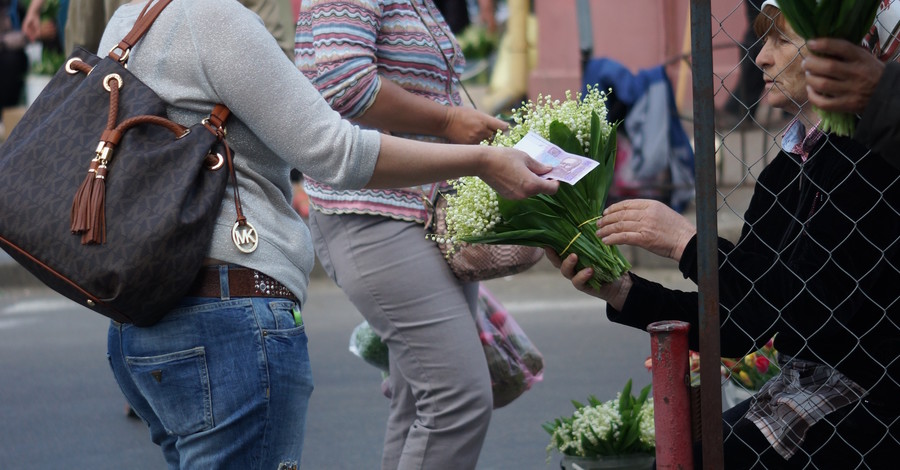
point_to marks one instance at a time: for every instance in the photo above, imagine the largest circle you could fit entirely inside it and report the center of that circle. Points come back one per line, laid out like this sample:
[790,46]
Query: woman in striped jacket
[393,65]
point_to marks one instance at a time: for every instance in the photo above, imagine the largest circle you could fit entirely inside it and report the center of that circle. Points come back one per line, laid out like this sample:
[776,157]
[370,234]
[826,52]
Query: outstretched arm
[512,173]
[397,110]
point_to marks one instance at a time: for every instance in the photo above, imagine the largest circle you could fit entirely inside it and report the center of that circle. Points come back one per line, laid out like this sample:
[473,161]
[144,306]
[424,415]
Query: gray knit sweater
[202,52]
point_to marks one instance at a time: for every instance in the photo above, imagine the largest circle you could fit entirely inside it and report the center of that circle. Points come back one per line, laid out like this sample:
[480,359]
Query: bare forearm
[397,110]
[511,172]
[405,162]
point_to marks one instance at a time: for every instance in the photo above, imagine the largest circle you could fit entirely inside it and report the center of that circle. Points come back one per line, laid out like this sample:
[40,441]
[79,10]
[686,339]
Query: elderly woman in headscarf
[817,266]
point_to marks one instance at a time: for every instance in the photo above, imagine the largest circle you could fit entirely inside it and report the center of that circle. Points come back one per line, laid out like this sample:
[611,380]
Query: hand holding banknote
[567,167]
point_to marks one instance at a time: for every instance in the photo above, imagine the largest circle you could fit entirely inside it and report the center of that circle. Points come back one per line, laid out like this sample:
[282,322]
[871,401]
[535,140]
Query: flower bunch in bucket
[565,221]
[754,369]
[616,427]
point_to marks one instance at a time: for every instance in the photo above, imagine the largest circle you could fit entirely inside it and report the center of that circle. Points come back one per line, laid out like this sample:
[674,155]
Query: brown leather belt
[242,282]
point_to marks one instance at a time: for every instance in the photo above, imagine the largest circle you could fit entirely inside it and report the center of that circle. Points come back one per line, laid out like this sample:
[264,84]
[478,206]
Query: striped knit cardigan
[346,48]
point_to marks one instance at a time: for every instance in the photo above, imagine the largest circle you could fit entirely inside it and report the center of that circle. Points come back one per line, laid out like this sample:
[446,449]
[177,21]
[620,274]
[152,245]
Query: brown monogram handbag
[106,200]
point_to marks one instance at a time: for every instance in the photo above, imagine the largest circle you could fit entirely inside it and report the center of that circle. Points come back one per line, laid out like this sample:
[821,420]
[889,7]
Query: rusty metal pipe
[671,398]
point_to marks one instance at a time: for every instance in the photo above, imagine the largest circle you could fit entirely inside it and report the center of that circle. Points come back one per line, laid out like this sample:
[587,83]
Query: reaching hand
[31,26]
[469,126]
[648,224]
[613,293]
[514,175]
[840,76]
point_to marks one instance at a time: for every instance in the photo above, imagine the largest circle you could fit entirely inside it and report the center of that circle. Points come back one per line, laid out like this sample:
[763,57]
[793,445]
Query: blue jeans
[220,383]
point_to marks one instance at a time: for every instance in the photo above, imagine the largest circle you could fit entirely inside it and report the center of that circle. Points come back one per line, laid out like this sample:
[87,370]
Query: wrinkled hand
[647,224]
[613,293]
[514,175]
[469,126]
[840,76]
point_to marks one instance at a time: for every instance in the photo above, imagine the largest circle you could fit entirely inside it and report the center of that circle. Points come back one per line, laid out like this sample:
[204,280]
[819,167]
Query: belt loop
[223,282]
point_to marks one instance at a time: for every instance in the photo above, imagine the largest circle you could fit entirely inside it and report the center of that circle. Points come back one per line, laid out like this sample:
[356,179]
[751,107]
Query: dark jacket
[879,126]
[818,263]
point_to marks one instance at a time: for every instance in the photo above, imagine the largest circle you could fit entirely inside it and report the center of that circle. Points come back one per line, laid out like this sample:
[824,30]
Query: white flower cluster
[591,424]
[648,428]
[594,422]
[473,210]
[563,441]
[574,113]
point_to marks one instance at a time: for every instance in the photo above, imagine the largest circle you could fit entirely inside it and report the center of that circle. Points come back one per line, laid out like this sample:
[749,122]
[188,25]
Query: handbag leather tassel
[80,217]
[96,233]
[89,205]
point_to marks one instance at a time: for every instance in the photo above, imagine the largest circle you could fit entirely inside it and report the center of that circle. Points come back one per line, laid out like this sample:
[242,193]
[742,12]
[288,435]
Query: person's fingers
[495,124]
[618,207]
[838,48]
[828,100]
[581,278]
[630,208]
[621,220]
[553,257]
[515,175]
[625,233]
[536,166]
[567,267]
[825,68]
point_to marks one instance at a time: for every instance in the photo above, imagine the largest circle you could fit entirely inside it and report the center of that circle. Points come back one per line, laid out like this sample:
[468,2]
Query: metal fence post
[671,399]
[707,232]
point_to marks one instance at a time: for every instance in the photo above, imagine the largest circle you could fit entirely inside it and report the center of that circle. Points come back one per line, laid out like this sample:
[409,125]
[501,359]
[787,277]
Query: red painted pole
[671,399]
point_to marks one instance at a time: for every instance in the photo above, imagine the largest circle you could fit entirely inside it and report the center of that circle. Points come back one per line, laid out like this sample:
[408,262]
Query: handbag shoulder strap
[451,72]
[145,20]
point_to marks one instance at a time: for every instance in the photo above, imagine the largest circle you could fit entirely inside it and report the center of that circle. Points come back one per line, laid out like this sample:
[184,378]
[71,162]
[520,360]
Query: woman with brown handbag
[224,379]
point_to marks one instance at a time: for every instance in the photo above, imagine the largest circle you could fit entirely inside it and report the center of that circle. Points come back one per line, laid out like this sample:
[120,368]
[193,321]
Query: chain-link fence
[809,291]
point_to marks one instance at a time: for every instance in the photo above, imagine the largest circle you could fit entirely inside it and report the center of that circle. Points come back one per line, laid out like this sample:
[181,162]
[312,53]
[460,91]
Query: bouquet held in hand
[842,19]
[565,221]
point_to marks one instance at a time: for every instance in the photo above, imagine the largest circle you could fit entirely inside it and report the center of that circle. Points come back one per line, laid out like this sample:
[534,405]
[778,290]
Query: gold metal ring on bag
[112,76]
[69,68]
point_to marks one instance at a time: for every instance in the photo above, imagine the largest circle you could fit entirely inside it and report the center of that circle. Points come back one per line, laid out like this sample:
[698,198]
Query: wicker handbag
[476,262]
[121,226]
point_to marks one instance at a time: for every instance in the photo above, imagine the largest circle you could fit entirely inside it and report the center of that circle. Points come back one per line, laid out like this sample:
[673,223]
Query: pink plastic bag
[515,364]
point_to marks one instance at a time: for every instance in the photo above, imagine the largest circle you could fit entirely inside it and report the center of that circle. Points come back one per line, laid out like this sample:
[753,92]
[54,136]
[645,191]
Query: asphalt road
[60,407]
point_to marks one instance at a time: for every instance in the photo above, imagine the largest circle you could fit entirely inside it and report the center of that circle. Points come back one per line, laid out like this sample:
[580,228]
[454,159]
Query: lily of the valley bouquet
[617,427]
[565,221]
[843,19]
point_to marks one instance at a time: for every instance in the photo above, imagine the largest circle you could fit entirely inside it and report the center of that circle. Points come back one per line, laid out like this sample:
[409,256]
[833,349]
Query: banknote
[567,167]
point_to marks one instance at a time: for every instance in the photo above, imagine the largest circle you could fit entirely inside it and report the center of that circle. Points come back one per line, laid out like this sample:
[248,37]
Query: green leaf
[564,138]
[645,392]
